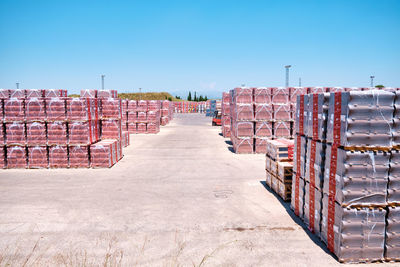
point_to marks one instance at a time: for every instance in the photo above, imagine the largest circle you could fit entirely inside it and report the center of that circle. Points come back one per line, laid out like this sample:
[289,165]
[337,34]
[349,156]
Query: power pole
[17,85]
[372,81]
[287,67]
[300,82]
[140,93]
[102,81]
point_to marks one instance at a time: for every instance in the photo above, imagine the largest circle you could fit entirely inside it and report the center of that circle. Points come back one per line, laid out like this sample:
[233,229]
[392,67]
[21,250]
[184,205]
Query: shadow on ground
[297,220]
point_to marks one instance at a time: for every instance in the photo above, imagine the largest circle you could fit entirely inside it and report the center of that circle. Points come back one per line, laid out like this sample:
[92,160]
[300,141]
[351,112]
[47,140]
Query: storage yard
[159,205]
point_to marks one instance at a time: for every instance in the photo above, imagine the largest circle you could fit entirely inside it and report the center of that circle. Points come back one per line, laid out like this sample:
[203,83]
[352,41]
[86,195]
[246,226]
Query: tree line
[194,98]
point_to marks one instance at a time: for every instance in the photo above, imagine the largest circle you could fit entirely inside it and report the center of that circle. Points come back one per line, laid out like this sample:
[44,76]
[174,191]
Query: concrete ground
[178,198]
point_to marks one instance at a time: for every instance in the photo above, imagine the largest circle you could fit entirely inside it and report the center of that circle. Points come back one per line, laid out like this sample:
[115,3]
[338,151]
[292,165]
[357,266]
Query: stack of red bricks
[47,129]
[144,116]
[167,112]
[226,115]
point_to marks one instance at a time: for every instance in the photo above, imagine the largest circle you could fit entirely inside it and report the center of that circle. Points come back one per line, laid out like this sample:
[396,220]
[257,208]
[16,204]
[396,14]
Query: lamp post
[17,85]
[287,67]
[102,81]
[372,81]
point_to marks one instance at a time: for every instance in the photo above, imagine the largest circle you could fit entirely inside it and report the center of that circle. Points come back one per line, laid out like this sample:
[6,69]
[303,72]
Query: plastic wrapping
[294,92]
[79,156]
[300,146]
[57,133]
[242,95]
[132,116]
[260,145]
[111,129]
[243,112]
[263,129]
[58,157]
[56,109]
[16,157]
[354,235]
[297,201]
[4,93]
[82,109]
[315,163]
[263,112]
[89,93]
[142,116]
[242,145]
[15,133]
[103,154]
[2,134]
[262,95]
[153,127]
[243,128]
[17,93]
[141,128]
[49,93]
[164,121]
[301,115]
[132,129]
[280,95]
[393,234]
[153,105]
[34,93]
[141,106]
[111,108]
[37,157]
[312,208]
[153,116]
[36,133]
[107,93]
[132,106]
[282,112]
[82,133]
[393,191]
[125,139]
[14,109]
[282,129]
[35,109]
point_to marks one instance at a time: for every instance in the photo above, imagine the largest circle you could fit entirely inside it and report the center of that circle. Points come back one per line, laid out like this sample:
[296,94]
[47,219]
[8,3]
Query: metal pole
[300,82]
[17,85]
[102,81]
[372,81]
[287,74]
[140,93]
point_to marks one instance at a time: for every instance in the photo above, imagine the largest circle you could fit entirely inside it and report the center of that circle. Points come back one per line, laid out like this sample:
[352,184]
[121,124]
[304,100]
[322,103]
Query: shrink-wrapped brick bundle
[132,128]
[300,147]
[142,116]
[315,163]
[34,93]
[35,109]
[282,112]
[282,129]
[111,129]
[354,235]
[164,121]
[14,109]
[263,112]
[242,95]
[243,112]
[141,106]
[153,127]
[393,191]
[297,200]
[280,95]
[2,134]
[57,133]
[243,128]
[2,158]
[15,133]
[260,145]
[242,145]
[17,93]
[111,108]
[153,105]
[16,157]
[358,177]
[36,133]
[107,93]
[50,93]
[263,129]
[78,156]
[361,118]
[37,157]
[132,106]
[88,93]
[153,116]
[58,156]
[82,133]
[132,116]
[164,112]
[301,115]
[316,90]
[141,128]
[82,109]
[103,154]
[55,109]
[125,139]
[262,95]
[317,115]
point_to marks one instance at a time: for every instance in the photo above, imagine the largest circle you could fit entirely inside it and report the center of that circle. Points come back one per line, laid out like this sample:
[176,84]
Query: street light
[372,81]
[102,81]
[287,74]
[17,85]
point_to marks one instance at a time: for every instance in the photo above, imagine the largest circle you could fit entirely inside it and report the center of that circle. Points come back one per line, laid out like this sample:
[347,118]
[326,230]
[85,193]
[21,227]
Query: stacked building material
[144,116]
[167,111]
[348,178]
[103,154]
[279,167]
[190,107]
[226,115]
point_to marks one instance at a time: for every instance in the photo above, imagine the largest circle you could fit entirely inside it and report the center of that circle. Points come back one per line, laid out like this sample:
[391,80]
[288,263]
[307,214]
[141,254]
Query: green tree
[200,98]
[170,98]
[205,98]
[195,96]
[189,98]
[380,86]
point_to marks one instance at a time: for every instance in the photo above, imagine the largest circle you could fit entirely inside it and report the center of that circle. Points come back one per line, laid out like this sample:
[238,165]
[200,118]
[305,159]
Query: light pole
[300,82]
[102,81]
[372,81]
[140,93]
[17,85]
[287,74]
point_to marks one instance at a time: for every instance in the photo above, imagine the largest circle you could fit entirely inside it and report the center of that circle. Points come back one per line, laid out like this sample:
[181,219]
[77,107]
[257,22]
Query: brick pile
[189,107]
[279,167]
[226,115]
[47,129]
[345,184]
[144,116]
[167,112]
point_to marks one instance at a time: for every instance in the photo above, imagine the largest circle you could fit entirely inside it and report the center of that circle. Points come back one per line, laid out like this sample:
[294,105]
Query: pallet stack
[279,167]
[189,107]
[345,182]
[144,116]
[225,115]
[167,112]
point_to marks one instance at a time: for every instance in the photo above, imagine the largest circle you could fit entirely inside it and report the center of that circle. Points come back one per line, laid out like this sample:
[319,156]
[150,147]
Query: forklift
[216,121]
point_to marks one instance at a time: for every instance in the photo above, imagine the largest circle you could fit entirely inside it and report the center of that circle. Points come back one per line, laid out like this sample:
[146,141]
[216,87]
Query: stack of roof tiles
[167,112]
[47,129]
[346,181]
[190,107]
[279,167]
[144,116]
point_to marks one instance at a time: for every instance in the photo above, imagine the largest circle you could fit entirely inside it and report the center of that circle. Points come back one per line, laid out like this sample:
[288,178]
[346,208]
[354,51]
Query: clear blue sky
[208,46]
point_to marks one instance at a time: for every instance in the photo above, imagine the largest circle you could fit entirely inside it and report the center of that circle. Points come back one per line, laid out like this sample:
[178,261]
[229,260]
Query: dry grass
[148,96]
